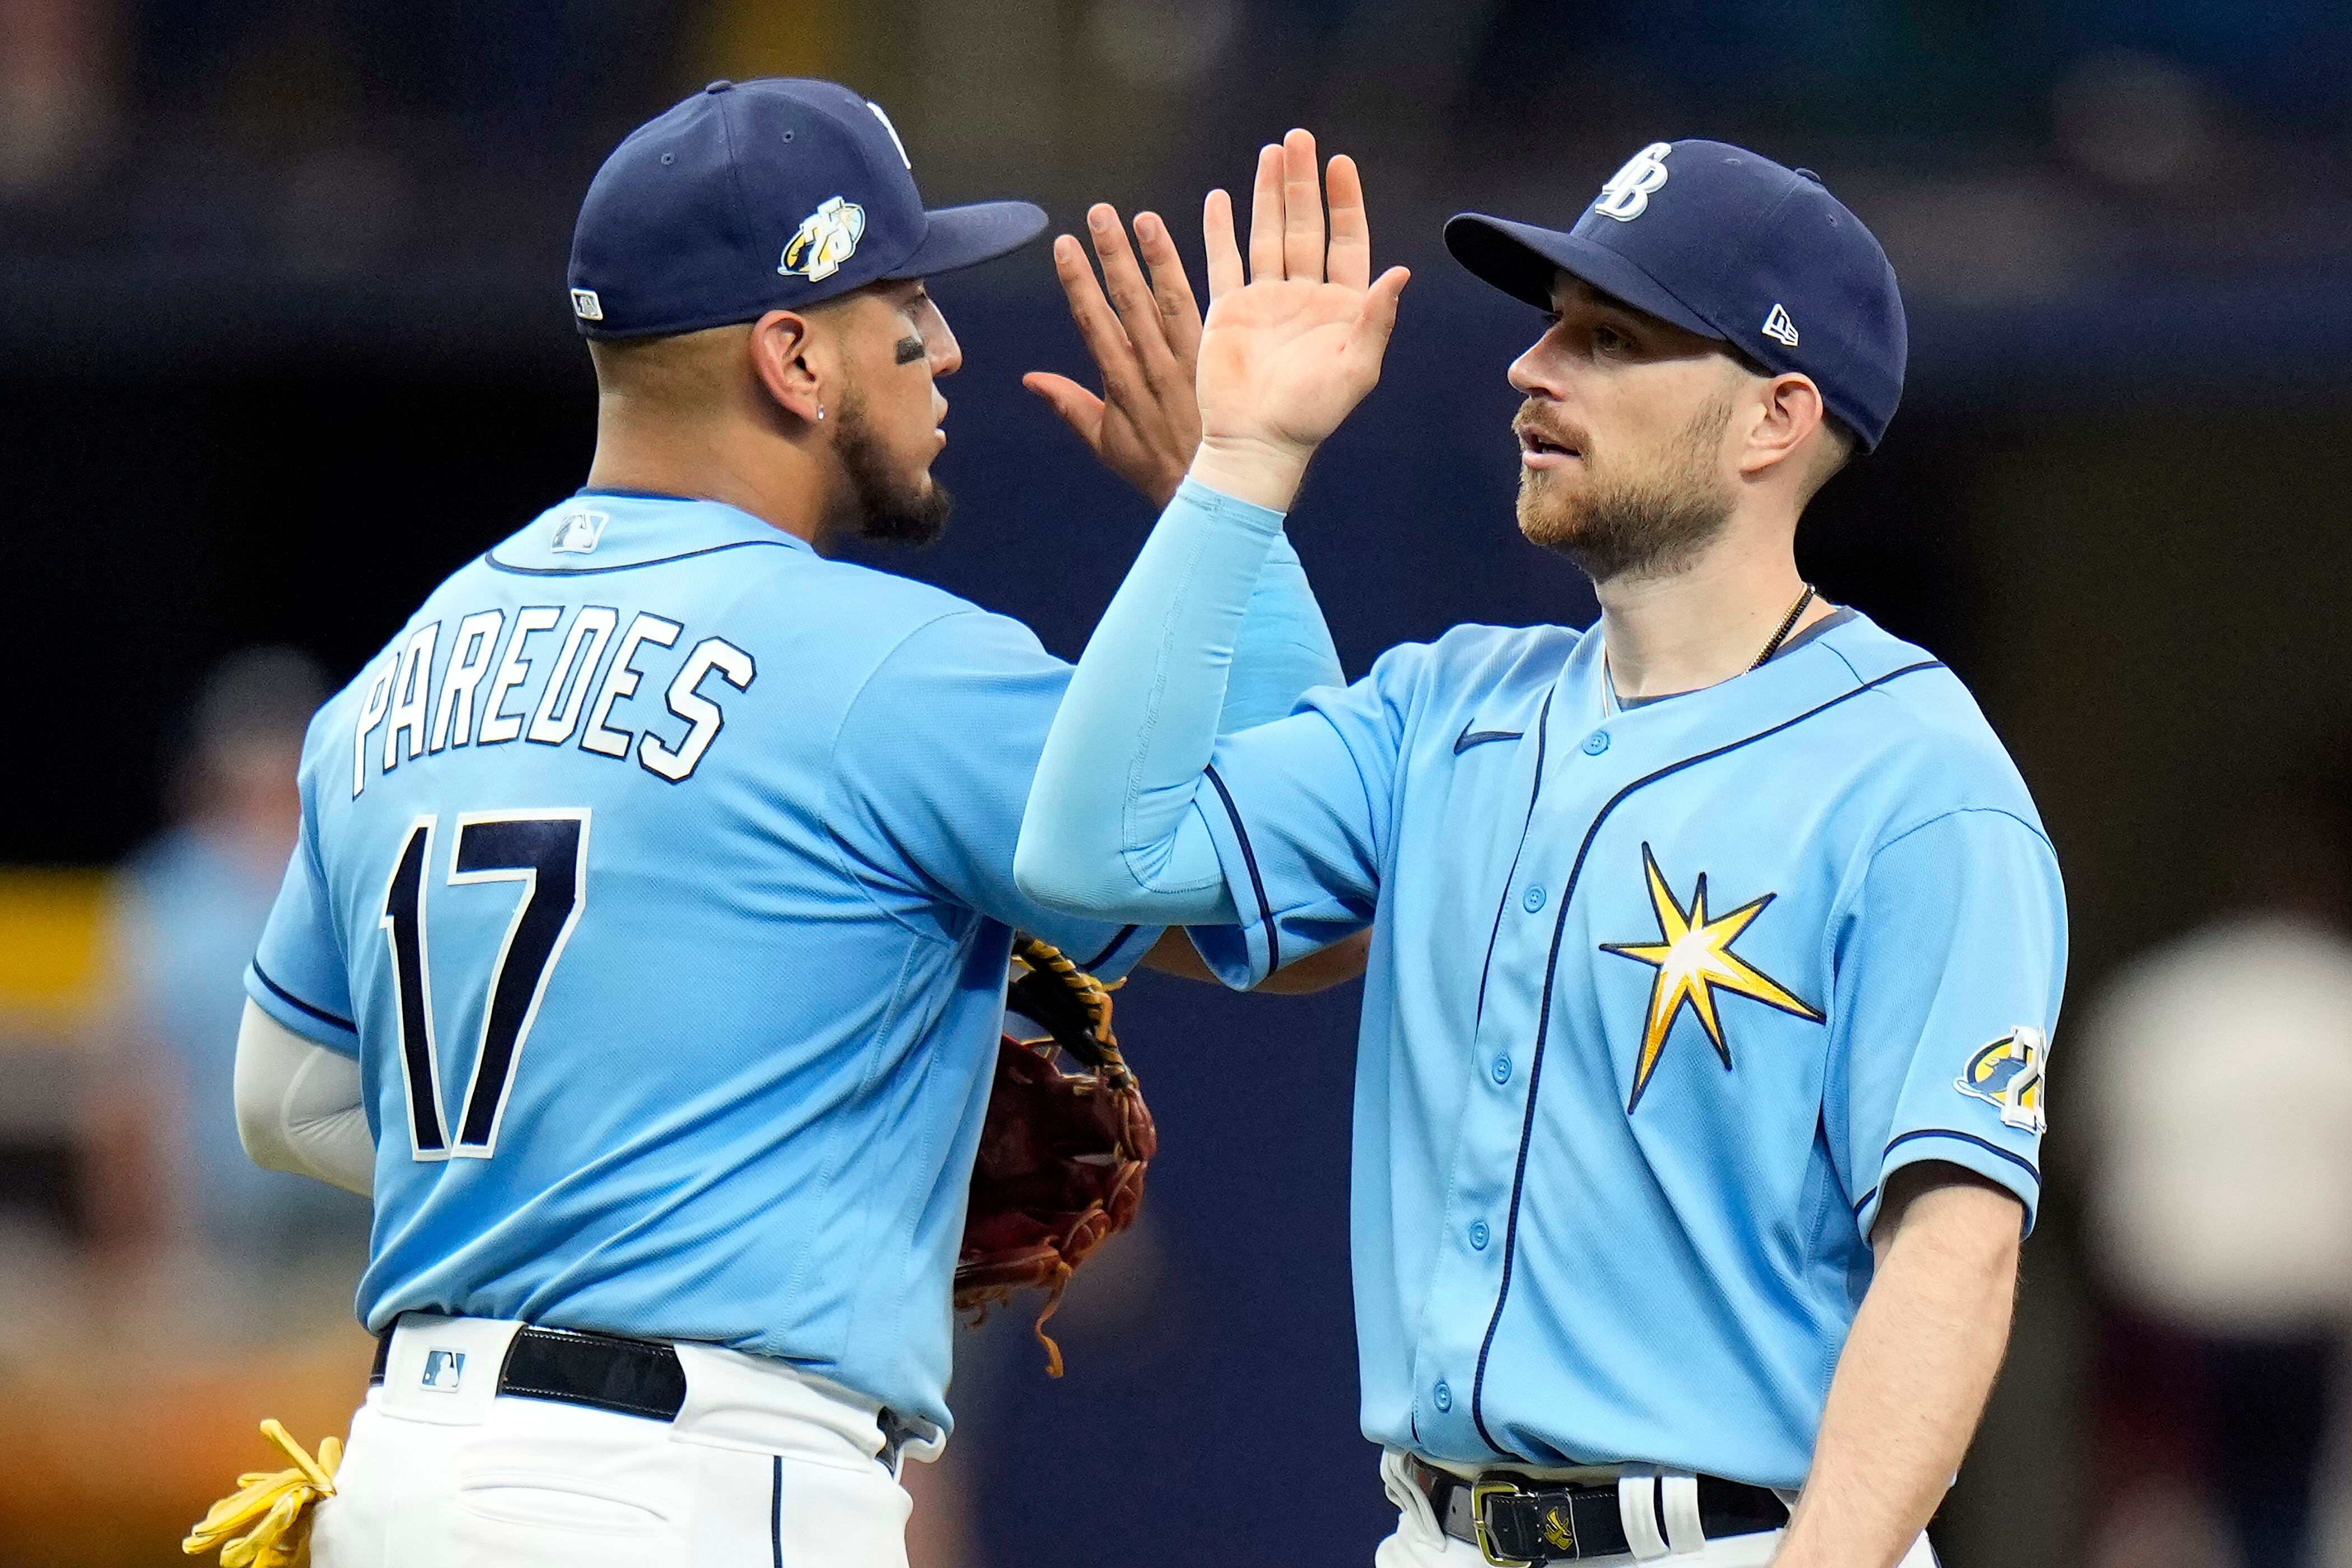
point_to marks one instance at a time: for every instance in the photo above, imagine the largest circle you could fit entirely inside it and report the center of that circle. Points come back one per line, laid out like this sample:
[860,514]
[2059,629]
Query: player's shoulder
[1914,723]
[1473,663]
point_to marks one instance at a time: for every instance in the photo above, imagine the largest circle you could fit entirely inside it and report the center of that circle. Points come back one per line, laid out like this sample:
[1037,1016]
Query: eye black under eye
[910,349]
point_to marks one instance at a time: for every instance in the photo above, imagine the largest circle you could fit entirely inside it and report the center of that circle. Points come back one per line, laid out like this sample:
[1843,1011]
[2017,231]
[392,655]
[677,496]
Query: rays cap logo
[1728,243]
[1626,196]
[2008,1074]
[764,196]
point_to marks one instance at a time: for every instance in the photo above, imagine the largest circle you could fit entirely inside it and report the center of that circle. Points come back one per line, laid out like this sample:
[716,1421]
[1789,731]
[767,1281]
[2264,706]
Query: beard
[887,506]
[1643,524]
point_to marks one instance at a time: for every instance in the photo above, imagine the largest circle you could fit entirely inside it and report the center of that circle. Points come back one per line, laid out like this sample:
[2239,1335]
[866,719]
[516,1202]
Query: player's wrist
[1263,472]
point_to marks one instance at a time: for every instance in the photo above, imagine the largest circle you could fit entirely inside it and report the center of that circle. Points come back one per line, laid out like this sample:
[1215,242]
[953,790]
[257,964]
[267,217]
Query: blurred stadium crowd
[283,341]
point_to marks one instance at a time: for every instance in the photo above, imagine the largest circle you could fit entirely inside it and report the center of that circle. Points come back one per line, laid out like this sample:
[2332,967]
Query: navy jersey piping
[2012,1155]
[492,561]
[1543,738]
[1098,960]
[624,493]
[293,1001]
[1249,859]
[1543,1017]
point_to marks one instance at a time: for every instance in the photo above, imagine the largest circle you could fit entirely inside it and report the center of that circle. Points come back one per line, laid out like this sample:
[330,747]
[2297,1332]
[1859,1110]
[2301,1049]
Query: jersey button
[1444,1397]
[1479,1234]
[1596,742]
[1532,900]
[1501,1070]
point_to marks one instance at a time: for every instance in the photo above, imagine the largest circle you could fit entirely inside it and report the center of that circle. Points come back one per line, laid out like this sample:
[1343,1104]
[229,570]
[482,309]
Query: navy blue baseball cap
[1725,243]
[763,195]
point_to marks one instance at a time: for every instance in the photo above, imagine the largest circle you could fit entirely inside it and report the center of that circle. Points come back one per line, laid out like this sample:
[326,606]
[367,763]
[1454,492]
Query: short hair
[679,372]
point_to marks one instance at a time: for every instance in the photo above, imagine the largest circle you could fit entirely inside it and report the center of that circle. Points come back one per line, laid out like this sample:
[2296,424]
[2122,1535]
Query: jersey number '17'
[547,852]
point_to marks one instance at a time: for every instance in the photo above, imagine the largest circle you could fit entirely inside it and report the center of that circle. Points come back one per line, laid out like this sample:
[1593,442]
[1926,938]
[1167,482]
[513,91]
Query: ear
[1787,411]
[793,362]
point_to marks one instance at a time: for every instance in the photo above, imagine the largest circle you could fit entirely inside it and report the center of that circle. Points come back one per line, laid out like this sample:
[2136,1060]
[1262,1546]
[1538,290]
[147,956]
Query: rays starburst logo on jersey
[1694,960]
[2008,1073]
[827,237]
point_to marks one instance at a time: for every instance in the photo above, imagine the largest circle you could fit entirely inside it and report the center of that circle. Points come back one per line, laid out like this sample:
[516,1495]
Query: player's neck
[778,484]
[1705,623]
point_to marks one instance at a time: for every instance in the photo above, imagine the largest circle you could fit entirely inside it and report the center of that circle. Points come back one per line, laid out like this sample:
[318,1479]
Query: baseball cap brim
[968,236]
[1522,260]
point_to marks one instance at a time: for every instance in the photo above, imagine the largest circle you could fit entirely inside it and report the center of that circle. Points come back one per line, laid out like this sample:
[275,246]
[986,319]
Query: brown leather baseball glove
[1062,1154]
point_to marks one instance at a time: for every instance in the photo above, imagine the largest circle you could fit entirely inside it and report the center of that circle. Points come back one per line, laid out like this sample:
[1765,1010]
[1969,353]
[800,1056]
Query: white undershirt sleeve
[299,1108]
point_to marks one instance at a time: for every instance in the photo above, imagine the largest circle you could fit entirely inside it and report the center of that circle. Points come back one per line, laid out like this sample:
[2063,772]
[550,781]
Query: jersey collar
[599,531]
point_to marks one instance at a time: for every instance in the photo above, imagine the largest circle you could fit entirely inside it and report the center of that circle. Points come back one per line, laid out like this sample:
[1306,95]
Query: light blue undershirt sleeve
[1283,648]
[1110,828]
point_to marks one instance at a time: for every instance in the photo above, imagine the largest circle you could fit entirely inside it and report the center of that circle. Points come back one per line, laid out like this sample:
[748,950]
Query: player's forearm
[1109,830]
[1913,1379]
[299,1107]
[1283,648]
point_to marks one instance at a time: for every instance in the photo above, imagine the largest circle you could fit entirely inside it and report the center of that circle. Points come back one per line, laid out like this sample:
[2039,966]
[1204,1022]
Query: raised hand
[1286,355]
[1146,343]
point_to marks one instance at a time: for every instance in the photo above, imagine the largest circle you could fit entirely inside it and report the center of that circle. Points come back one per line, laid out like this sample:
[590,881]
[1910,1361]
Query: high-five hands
[1284,357]
[1146,342]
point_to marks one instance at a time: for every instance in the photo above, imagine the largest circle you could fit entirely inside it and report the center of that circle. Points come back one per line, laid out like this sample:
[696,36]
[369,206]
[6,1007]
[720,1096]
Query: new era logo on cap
[1778,326]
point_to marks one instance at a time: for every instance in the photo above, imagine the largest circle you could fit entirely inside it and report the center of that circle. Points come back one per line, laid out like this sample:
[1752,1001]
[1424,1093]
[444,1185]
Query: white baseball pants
[1419,1543]
[763,1468]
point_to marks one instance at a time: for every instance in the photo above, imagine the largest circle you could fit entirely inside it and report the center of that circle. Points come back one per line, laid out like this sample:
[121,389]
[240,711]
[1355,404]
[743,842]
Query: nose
[1535,373]
[945,353]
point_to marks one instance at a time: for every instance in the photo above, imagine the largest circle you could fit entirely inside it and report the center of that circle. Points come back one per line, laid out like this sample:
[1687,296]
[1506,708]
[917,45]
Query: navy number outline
[547,852]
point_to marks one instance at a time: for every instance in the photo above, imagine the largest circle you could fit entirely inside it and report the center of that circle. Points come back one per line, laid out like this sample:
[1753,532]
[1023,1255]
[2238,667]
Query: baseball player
[1715,950]
[644,949]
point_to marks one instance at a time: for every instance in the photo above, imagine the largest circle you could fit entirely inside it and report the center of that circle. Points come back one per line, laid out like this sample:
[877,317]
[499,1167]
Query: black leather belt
[605,1372]
[602,1371]
[1512,1518]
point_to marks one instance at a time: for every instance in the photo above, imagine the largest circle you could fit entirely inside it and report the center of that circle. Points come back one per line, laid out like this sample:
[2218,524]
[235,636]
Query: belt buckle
[1556,1524]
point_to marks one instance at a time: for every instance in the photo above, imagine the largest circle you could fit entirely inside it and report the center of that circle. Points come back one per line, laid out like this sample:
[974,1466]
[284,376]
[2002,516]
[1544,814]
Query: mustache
[1531,420]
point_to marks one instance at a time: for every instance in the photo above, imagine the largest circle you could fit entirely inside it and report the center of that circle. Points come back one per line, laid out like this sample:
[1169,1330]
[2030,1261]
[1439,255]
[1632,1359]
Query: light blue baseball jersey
[1657,1000]
[658,873]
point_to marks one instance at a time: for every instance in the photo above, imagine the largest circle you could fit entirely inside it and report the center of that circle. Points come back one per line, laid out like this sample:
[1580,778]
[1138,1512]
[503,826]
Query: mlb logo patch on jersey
[576,532]
[2007,1073]
[442,1369]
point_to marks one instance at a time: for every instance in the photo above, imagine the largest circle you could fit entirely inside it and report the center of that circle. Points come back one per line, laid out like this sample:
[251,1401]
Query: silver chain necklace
[1610,705]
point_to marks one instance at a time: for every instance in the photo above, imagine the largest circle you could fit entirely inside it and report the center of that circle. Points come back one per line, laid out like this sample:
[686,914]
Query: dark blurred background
[284,339]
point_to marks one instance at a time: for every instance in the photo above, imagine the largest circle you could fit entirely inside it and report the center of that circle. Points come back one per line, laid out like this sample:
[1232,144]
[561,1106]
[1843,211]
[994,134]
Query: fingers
[1081,410]
[1130,296]
[1265,249]
[1302,208]
[1180,313]
[1217,239]
[1351,235]
[1105,339]
[1376,321]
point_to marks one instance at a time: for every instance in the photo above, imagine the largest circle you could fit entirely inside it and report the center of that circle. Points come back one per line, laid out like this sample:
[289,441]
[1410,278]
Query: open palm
[1285,356]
